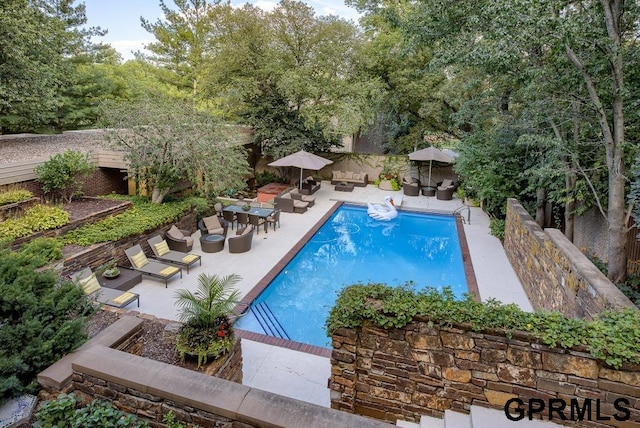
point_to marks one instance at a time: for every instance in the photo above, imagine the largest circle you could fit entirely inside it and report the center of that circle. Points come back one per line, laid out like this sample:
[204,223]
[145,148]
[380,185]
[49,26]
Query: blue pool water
[352,248]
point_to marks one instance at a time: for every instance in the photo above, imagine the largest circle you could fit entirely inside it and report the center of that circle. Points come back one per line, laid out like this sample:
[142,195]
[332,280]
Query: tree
[167,141]
[181,40]
[59,175]
[38,39]
[576,51]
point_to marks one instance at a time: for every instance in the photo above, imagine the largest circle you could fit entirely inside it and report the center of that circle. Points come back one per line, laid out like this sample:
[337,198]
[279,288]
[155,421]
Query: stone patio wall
[553,272]
[423,369]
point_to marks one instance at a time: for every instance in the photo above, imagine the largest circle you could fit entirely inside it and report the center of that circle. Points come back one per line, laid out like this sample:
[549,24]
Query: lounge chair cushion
[247,230]
[89,284]
[123,297]
[175,233]
[169,270]
[139,260]
[162,248]
[189,258]
[213,225]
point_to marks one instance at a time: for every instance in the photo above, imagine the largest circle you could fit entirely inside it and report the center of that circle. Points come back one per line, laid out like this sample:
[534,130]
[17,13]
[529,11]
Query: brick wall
[423,369]
[553,272]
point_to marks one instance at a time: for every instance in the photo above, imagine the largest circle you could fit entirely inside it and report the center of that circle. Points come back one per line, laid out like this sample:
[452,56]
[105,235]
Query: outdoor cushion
[188,240]
[89,284]
[123,298]
[247,230]
[168,270]
[189,258]
[212,223]
[339,174]
[139,260]
[348,175]
[162,248]
[356,176]
[175,233]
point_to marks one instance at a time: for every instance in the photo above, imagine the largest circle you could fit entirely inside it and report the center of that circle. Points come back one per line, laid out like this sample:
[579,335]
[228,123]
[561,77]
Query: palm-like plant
[207,332]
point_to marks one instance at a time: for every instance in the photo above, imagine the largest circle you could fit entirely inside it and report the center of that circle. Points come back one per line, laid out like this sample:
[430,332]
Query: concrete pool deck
[301,375]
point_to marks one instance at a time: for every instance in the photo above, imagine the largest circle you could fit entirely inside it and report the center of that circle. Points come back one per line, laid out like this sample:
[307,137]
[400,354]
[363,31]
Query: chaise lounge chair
[152,268]
[88,281]
[162,252]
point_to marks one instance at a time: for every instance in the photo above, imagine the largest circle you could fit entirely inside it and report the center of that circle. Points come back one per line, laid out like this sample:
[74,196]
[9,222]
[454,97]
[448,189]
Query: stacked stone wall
[553,272]
[423,369]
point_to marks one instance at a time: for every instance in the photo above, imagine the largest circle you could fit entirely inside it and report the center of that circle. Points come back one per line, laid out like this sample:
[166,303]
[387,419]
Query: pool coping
[472,283]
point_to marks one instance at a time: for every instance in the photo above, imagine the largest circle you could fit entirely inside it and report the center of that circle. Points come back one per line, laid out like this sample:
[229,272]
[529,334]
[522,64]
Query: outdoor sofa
[359,179]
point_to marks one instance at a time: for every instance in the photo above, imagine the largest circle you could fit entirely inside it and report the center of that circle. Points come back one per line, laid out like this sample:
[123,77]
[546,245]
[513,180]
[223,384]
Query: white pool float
[384,212]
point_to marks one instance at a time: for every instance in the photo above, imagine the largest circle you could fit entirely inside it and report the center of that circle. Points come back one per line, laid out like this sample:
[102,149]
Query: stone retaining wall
[553,272]
[151,389]
[99,254]
[423,369]
[16,209]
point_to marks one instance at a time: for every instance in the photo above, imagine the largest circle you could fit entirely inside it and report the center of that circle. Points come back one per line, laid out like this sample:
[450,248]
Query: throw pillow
[89,284]
[175,233]
[162,248]
[348,175]
[139,260]
[356,176]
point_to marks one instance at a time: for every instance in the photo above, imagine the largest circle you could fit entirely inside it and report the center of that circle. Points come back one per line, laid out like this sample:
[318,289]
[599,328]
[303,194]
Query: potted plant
[207,332]
[109,269]
[246,207]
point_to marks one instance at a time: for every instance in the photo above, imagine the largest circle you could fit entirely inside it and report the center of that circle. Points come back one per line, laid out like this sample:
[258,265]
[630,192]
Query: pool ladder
[268,321]
[462,208]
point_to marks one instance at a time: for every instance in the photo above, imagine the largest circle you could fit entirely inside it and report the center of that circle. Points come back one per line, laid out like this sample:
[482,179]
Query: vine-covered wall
[424,369]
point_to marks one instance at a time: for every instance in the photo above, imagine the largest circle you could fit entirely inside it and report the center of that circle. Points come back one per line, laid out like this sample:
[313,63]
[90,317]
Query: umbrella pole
[430,161]
[300,184]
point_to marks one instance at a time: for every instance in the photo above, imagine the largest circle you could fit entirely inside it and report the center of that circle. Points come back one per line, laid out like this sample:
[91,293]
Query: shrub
[35,219]
[266,177]
[41,251]
[43,319]
[59,175]
[613,337]
[144,216]
[496,226]
[64,412]
[13,196]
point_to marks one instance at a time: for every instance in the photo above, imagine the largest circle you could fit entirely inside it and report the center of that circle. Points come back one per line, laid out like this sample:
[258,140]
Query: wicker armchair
[179,239]
[241,243]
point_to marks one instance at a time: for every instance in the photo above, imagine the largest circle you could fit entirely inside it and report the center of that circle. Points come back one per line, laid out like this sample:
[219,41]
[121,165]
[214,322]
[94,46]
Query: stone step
[431,422]
[407,424]
[457,420]
[484,417]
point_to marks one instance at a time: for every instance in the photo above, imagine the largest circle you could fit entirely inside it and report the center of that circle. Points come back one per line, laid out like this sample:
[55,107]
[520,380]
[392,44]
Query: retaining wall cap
[211,394]
[265,409]
[58,375]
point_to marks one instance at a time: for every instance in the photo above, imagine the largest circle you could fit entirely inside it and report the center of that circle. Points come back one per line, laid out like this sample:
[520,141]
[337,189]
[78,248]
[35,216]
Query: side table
[212,243]
[125,281]
[428,191]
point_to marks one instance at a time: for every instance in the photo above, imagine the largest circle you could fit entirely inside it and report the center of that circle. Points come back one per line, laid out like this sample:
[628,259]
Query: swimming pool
[352,248]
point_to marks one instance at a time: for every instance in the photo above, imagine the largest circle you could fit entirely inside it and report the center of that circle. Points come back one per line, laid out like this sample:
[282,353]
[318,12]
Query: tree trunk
[157,195]
[570,206]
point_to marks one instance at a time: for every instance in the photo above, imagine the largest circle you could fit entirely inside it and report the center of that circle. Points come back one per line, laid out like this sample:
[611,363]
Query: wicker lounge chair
[179,239]
[162,252]
[411,188]
[152,268]
[88,281]
[213,225]
[241,243]
[445,190]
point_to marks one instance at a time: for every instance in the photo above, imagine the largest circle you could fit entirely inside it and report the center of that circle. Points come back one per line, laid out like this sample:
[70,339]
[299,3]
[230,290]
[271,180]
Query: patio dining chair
[274,219]
[242,219]
[256,222]
[230,217]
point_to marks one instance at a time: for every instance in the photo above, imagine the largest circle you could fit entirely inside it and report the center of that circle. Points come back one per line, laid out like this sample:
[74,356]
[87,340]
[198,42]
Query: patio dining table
[260,212]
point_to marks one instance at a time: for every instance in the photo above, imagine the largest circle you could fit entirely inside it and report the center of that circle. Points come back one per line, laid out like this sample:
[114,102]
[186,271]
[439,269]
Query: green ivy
[613,337]
[35,219]
[64,412]
[13,196]
[143,217]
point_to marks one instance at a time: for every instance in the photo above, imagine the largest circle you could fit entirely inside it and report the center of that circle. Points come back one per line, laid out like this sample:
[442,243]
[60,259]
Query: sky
[122,18]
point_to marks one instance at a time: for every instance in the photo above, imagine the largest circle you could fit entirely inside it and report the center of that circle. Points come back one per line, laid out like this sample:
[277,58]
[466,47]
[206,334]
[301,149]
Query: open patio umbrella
[303,160]
[430,154]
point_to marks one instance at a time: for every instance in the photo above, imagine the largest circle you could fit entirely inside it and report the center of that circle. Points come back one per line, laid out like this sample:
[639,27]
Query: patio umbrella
[303,160]
[430,154]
